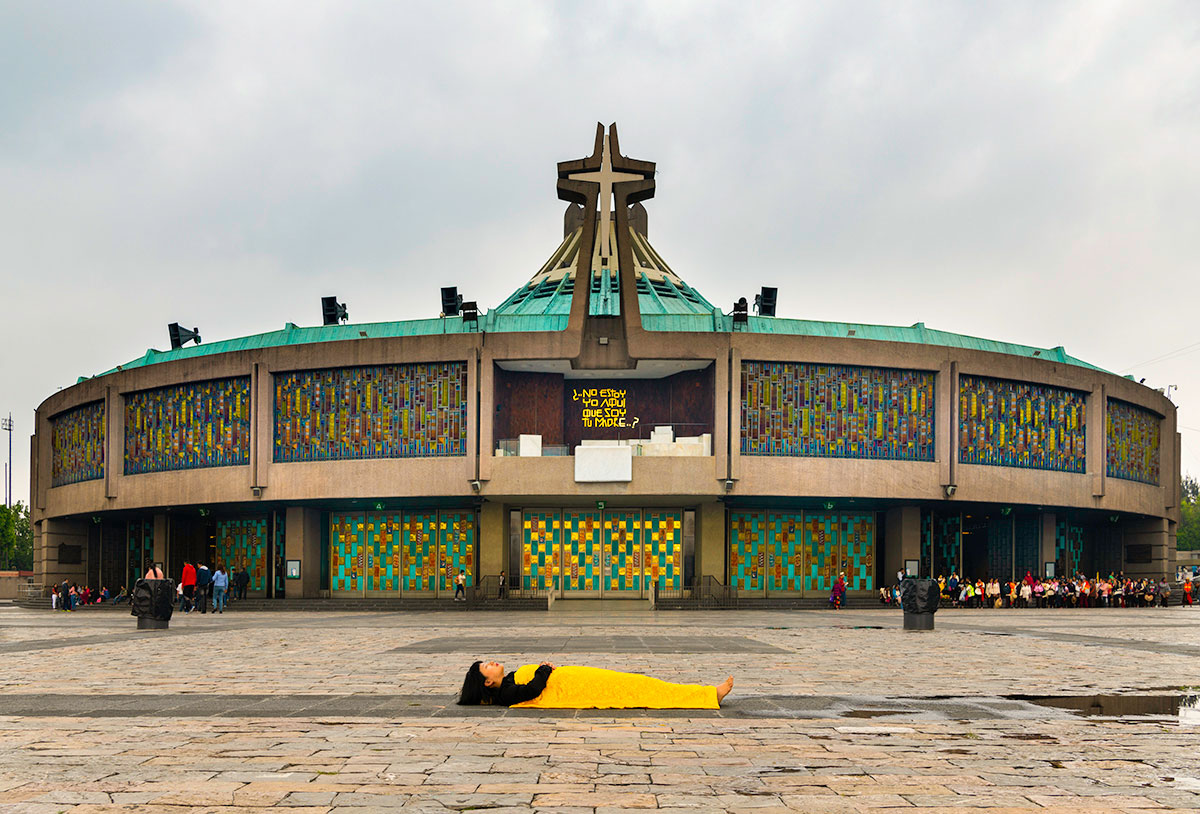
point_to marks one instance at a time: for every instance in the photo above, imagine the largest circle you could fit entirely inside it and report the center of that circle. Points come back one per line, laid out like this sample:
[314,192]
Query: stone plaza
[831,712]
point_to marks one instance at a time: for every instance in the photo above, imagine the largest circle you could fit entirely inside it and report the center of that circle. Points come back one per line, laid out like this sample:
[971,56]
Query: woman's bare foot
[723,689]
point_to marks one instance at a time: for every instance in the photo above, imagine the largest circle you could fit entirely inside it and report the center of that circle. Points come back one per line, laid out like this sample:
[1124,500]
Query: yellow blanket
[595,688]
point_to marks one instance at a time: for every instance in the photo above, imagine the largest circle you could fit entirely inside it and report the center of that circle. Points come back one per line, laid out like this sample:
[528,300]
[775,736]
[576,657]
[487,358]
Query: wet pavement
[1058,710]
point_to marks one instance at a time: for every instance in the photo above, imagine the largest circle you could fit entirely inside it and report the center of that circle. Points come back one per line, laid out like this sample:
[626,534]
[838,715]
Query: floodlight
[764,303]
[470,313]
[179,336]
[451,301]
[741,312]
[332,311]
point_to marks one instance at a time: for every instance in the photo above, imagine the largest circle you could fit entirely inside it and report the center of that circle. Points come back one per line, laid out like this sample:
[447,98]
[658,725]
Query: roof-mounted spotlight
[181,336]
[332,311]
[741,313]
[452,301]
[764,303]
[470,313]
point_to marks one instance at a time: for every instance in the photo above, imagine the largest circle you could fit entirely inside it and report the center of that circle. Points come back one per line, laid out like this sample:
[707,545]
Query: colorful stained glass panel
[1035,426]
[837,411]
[1134,438]
[77,445]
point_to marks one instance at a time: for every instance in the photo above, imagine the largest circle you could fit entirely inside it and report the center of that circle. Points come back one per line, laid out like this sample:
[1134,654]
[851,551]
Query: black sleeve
[513,693]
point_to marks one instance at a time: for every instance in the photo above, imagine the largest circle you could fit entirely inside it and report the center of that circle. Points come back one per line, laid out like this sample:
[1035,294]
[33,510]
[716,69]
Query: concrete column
[57,533]
[1047,547]
[1156,533]
[493,540]
[302,541]
[710,541]
[487,417]
[732,427]
[39,555]
[262,429]
[902,533]
[1096,436]
[945,433]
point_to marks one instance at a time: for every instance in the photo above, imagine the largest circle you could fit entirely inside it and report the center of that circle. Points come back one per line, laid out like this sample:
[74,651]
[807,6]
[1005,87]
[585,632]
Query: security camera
[950,489]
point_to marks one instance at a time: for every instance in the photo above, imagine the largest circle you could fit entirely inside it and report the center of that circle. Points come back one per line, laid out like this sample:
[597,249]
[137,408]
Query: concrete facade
[897,491]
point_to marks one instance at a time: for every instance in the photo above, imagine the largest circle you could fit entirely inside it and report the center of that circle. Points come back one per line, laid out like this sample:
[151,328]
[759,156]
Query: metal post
[7,425]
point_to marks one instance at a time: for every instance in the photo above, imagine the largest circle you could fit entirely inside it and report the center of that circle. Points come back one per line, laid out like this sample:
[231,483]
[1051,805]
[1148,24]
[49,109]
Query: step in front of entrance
[334,605]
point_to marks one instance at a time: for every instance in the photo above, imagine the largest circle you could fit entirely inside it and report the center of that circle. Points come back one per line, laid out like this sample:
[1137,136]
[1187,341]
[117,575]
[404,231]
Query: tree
[1187,536]
[16,538]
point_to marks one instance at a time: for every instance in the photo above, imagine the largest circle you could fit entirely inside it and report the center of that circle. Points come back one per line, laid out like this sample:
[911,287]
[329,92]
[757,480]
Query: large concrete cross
[606,176]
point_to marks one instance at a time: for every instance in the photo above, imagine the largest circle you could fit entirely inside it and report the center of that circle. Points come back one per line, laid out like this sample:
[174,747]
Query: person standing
[220,583]
[203,586]
[242,582]
[503,584]
[188,581]
[460,586]
[153,571]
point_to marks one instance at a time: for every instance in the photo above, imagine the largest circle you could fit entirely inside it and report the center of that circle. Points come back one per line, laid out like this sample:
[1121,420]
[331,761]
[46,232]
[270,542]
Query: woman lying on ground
[548,687]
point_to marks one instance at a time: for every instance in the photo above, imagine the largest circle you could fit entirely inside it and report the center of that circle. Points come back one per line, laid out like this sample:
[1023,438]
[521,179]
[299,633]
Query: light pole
[6,424]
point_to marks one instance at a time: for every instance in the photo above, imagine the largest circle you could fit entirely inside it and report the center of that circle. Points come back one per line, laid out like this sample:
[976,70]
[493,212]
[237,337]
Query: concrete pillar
[902,535]
[161,530]
[493,541]
[710,541]
[1154,532]
[1097,438]
[1049,535]
[39,555]
[945,434]
[69,533]
[302,541]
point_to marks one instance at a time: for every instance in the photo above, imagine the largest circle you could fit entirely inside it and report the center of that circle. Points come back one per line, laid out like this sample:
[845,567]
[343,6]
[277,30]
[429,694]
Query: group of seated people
[68,596]
[1080,591]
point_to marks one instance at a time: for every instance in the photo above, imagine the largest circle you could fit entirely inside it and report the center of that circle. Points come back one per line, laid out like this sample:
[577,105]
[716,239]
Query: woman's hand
[548,664]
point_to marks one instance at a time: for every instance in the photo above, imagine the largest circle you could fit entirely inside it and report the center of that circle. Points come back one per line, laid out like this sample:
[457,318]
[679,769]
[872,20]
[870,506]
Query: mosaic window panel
[77,445]
[386,411]
[1134,435]
[188,426]
[140,540]
[541,534]
[662,550]
[243,542]
[1027,545]
[622,565]
[1068,548]
[941,535]
[838,543]
[1033,426]
[456,547]
[582,542]
[785,552]
[766,551]
[748,551]
[837,411]
[420,566]
[347,558]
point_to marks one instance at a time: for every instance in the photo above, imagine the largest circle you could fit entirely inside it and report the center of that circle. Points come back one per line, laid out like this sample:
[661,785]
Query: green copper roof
[716,322]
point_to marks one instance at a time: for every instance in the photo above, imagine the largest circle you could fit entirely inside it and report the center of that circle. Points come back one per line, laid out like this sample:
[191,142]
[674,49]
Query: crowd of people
[197,587]
[68,596]
[1079,591]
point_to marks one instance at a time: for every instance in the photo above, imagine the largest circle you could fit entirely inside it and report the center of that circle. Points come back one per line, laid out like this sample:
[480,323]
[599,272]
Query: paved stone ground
[831,712]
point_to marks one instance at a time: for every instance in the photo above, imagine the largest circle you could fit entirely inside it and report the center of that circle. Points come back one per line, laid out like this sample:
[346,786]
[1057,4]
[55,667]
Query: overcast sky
[1021,171]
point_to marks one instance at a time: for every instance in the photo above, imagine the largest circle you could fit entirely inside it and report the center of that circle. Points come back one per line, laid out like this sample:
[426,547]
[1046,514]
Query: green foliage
[1188,534]
[16,538]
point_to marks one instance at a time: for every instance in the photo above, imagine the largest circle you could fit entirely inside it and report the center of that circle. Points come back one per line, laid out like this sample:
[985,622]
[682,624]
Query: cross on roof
[605,177]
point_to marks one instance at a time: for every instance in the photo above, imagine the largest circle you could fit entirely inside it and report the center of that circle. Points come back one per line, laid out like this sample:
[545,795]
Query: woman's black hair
[474,691]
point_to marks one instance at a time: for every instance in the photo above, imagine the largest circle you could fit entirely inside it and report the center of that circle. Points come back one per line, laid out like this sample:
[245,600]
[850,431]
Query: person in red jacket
[188,581]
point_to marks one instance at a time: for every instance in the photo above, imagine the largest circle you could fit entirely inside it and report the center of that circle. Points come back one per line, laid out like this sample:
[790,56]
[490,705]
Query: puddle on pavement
[872,713]
[1185,707]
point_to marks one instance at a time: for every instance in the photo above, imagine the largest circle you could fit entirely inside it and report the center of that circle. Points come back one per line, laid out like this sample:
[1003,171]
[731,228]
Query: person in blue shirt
[220,584]
[203,586]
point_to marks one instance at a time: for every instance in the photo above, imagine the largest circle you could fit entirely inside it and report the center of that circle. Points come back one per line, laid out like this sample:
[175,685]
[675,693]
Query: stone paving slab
[831,712]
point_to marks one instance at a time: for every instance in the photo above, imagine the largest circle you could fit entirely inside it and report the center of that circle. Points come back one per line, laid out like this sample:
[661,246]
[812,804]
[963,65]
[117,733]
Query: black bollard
[152,601]
[919,598]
